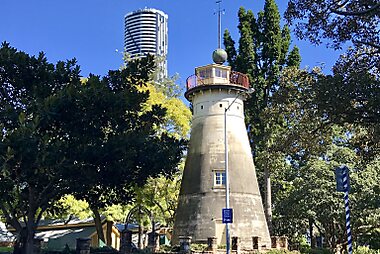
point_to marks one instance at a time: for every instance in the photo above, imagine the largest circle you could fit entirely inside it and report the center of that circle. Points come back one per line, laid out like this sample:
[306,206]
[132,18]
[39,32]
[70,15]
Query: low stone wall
[277,242]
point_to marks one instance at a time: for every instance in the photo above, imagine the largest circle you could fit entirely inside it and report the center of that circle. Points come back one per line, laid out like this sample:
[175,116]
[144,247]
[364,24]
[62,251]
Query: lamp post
[251,90]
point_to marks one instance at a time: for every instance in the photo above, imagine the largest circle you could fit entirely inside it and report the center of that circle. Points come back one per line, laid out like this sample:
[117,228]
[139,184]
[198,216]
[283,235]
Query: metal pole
[226,165]
[347,209]
[227,179]
[219,24]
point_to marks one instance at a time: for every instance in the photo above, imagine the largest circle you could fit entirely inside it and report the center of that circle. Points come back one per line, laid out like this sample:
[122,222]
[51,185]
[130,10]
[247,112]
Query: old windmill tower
[219,171]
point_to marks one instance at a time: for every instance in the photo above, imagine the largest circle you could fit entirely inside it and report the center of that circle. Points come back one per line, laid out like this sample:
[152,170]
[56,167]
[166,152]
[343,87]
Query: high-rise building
[146,32]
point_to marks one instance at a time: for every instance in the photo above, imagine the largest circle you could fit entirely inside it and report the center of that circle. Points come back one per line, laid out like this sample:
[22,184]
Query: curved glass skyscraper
[146,32]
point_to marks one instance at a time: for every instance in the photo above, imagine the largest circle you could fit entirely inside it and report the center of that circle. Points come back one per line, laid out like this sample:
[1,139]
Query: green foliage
[198,247]
[177,119]
[68,207]
[275,251]
[6,249]
[263,51]
[351,94]
[337,21]
[313,147]
[160,196]
[303,123]
[34,168]
[320,251]
[104,249]
[62,136]
[169,248]
[222,247]
[294,58]
[365,250]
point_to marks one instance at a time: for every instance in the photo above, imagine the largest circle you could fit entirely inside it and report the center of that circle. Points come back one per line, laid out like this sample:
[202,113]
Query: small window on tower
[201,106]
[220,178]
[220,73]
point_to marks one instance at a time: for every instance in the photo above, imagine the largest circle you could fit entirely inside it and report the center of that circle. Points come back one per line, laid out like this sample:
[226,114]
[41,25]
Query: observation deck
[215,76]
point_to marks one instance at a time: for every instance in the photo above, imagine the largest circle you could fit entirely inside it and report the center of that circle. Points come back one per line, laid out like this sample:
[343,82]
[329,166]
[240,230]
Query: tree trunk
[140,244]
[312,239]
[25,242]
[98,224]
[268,199]
[29,246]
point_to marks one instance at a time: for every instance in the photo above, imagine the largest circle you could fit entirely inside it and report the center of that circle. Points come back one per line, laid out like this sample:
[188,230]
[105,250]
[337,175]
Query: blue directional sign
[227,215]
[342,179]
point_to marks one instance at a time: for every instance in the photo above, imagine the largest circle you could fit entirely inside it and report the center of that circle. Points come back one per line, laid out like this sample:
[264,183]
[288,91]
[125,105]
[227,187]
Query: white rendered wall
[200,203]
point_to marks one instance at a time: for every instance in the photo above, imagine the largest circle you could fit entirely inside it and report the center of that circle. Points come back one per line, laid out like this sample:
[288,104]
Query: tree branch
[9,218]
[338,3]
[39,216]
[356,13]
[372,44]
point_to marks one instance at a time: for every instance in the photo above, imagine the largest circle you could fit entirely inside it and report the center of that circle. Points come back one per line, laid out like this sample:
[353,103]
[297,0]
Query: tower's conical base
[203,195]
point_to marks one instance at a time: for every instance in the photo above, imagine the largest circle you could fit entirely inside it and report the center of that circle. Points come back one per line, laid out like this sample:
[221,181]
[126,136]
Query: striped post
[347,209]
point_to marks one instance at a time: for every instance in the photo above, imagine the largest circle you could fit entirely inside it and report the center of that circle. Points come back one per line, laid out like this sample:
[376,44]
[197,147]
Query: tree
[68,208]
[60,136]
[304,188]
[354,86]
[262,53]
[337,21]
[34,168]
[177,119]
[352,95]
[160,196]
[116,143]
[175,123]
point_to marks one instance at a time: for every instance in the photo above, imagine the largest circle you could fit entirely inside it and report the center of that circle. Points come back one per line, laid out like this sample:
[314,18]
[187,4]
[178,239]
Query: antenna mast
[220,11]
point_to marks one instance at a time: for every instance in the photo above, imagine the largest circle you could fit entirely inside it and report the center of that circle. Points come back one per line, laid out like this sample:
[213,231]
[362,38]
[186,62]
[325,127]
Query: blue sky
[92,31]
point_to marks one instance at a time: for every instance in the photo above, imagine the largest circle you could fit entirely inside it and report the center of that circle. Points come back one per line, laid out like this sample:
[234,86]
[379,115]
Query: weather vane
[220,12]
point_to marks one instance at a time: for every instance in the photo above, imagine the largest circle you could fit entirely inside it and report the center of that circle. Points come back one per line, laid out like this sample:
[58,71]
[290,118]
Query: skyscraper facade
[146,32]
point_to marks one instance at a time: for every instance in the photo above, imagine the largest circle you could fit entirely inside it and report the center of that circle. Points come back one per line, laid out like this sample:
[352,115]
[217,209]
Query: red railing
[236,78]
[193,81]
[240,79]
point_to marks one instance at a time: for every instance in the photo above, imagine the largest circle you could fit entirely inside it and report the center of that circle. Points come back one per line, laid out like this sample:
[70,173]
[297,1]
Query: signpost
[340,172]
[343,185]
[227,215]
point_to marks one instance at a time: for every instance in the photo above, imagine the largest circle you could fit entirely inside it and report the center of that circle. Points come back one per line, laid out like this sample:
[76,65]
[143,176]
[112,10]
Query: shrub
[365,250]
[198,247]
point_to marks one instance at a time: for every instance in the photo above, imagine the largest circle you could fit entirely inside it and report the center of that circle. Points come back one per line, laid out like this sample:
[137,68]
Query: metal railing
[236,78]
[193,81]
[240,79]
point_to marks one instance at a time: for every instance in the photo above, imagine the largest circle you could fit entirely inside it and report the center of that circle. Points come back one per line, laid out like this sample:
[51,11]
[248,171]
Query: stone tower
[214,91]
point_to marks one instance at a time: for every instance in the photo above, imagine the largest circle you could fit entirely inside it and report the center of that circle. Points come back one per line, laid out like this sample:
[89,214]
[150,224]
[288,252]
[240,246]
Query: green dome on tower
[219,56]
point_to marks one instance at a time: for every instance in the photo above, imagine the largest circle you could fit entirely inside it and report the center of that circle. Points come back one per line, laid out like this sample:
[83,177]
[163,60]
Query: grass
[6,249]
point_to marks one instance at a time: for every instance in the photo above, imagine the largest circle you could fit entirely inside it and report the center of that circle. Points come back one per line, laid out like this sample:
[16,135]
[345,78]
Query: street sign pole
[347,209]
[342,179]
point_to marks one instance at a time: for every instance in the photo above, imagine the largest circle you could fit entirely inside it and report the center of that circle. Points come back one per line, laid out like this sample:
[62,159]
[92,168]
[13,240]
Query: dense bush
[365,250]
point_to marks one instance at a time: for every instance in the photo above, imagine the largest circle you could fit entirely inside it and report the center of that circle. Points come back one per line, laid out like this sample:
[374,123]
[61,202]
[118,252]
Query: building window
[220,73]
[205,73]
[220,178]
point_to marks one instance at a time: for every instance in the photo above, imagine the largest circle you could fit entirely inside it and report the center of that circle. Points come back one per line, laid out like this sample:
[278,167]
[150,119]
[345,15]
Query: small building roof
[55,239]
